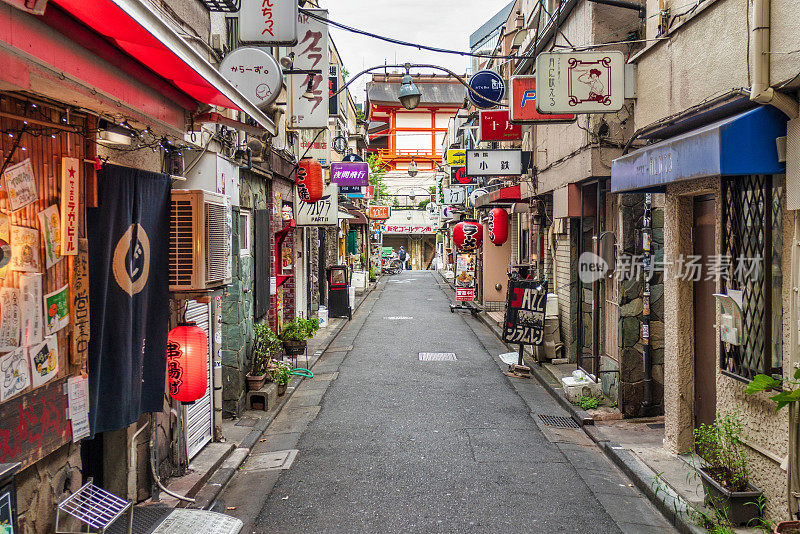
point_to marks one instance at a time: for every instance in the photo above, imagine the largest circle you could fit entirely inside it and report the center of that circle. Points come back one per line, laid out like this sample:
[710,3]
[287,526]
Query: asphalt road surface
[389,443]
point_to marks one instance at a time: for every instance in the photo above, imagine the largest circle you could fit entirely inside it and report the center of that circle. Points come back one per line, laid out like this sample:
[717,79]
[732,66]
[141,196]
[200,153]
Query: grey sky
[445,24]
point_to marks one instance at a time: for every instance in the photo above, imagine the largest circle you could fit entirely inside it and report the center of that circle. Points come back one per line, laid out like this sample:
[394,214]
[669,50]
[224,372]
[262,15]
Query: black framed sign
[525,307]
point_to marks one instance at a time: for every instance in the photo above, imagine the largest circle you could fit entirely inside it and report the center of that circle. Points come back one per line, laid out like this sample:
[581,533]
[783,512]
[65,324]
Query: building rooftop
[488,27]
[435,89]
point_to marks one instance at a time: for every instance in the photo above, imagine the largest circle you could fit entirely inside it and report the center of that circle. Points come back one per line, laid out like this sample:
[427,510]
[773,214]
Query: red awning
[506,195]
[138,30]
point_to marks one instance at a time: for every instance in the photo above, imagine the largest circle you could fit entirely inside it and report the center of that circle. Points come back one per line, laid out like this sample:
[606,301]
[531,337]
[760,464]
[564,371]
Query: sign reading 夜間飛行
[524,318]
[494,162]
[350,173]
[580,82]
[310,53]
[522,104]
[268,22]
[495,126]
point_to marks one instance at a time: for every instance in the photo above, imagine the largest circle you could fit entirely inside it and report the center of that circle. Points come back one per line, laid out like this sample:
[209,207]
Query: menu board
[465,277]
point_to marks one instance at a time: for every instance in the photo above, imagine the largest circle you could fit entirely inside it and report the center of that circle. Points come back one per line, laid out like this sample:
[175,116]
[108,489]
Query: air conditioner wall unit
[200,240]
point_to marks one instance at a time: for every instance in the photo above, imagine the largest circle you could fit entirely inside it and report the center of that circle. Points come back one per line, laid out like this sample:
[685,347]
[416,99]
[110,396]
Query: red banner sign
[495,126]
[465,294]
[522,107]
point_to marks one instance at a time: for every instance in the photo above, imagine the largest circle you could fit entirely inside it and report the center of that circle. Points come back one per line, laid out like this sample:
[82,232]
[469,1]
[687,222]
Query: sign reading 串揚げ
[525,306]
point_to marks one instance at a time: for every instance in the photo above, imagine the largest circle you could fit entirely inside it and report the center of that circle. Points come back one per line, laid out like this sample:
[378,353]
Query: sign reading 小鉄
[525,307]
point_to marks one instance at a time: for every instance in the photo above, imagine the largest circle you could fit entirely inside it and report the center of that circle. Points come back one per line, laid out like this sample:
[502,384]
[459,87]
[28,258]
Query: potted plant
[265,344]
[282,375]
[725,476]
[295,333]
[787,527]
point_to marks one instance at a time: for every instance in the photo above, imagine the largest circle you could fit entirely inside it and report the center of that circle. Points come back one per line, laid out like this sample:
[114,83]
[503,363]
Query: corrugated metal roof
[432,92]
[490,26]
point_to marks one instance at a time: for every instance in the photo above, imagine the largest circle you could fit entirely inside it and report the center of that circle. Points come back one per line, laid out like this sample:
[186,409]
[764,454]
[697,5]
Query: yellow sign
[456,156]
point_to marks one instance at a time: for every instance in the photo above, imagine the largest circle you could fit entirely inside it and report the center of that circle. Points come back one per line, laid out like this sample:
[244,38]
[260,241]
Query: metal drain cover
[270,461]
[437,356]
[185,521]
[558,421]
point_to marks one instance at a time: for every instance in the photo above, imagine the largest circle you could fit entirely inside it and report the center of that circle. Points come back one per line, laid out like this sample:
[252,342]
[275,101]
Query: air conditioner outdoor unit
[200,240]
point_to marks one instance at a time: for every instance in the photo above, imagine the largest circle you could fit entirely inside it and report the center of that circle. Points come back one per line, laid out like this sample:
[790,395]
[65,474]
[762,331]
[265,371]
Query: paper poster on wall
[15,374]
[25,249]
[78,402]
[20,184]
[9,319]
[5,236]
[31,320]
[44,361]
[288,261]
[50,225]
[56,310]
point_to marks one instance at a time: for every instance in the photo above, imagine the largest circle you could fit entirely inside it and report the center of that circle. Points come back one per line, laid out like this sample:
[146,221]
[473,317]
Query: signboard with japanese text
[333,86]
[454,196]
[459,176]
[379,212]
[255,73]
[409,229]
[79,278]
[324,212]
[488,89]
[580,82]
[350,173]
[315,146]
[494,162]
[456,156]
[268,21]
[495,126]
[522,104]
[70,174]
[465,277]
[310,53]
[524,318]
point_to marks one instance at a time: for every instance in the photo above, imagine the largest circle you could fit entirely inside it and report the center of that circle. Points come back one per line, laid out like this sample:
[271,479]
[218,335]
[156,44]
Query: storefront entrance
[705,335]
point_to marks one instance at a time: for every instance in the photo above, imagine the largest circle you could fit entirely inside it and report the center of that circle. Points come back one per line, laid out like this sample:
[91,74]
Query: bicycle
[394,267]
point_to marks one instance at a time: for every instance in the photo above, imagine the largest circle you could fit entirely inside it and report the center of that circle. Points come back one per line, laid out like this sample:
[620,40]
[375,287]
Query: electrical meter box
[730,319]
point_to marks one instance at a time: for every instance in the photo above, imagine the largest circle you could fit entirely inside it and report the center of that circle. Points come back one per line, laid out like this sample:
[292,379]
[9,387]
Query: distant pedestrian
[403,257]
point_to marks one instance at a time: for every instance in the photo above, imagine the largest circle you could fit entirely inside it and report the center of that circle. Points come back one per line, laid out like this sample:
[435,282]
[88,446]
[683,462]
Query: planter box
[294,348]
[740,507]
[787,527]
[254,383]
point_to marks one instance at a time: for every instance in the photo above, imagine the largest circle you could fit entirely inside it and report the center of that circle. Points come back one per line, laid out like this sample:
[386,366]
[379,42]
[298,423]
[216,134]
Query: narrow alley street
[390,443]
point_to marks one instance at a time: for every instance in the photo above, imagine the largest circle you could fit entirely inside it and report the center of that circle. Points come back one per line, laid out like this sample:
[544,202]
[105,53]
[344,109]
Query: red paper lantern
[498,226]
[468,235]
[187,360]
[309,180]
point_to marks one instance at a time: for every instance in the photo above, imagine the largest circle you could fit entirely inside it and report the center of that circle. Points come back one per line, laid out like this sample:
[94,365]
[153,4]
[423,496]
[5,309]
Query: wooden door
[705,335]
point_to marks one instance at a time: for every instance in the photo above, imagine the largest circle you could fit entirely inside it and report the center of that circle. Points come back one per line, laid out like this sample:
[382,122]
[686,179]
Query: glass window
[244,232]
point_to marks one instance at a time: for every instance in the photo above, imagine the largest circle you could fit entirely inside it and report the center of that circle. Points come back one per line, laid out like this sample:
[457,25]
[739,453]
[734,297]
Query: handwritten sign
[50,226]
[268,21]
[9,319]
[79,310]
[15,375]
[310,53]
[25,249]
[78,400]
[31,320]
[34,425]
[20,184]
[70,174]
[524,318]
[321,213]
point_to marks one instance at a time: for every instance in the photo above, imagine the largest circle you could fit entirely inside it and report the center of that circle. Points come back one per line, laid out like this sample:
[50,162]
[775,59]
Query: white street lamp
[412,168]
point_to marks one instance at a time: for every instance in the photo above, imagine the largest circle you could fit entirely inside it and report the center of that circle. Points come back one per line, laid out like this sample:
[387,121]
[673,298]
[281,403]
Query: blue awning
[739,145]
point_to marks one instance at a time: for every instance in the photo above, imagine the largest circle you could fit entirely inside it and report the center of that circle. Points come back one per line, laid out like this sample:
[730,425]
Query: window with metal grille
[752,247]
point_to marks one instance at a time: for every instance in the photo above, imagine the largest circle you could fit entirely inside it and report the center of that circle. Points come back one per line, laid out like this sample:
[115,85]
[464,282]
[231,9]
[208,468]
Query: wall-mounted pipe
[761,90]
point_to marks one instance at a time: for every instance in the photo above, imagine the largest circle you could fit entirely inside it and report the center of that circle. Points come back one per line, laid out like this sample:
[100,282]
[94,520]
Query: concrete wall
[495,264]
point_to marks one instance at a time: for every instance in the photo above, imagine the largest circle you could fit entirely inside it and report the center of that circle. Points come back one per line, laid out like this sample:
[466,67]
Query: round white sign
[255,73]
[478,192]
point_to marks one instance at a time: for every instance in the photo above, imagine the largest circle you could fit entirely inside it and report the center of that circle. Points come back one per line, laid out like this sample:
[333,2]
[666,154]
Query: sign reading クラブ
[580,82]
[525,306]
[494,162]
[324,212]
[522,104]
[310,53]
[495,126]
[268,21]
[255,73]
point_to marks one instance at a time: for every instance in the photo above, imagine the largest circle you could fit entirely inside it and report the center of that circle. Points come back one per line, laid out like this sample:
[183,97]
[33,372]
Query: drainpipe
[132,457]
[761,91]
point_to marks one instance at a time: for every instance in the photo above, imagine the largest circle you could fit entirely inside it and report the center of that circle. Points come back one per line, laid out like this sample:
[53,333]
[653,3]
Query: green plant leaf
[762,383]
[786,397]
[797,374]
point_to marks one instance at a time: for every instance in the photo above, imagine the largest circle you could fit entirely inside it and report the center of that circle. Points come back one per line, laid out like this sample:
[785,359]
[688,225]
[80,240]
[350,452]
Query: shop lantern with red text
[497,224]
[309,180]
[187,361]
[468,235]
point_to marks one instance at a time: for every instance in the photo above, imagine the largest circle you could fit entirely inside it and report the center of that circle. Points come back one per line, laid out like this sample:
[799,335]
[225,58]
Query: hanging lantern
[498,226]
[468,235]
[187,361]
[309,180]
